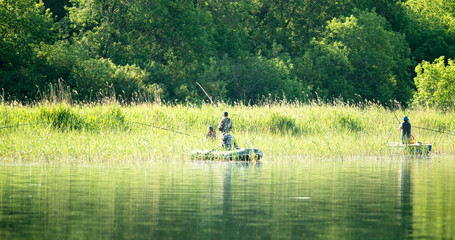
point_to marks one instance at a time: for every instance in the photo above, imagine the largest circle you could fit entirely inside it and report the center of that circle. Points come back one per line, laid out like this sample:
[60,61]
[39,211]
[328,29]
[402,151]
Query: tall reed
[109,131]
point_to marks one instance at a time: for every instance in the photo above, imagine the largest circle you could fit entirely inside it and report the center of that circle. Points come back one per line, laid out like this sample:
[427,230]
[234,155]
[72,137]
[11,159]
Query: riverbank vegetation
[238,50]
[108,131]
[89,80]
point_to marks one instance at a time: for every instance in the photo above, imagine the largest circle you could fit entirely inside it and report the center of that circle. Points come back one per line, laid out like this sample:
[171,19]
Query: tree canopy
[237,49]
[358,57]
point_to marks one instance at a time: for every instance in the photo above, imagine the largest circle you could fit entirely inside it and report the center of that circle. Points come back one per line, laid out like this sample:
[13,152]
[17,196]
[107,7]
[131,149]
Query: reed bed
[112,132]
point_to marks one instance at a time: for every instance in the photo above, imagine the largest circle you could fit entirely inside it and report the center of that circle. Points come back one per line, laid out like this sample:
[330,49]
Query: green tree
[291,24]
[24,25]
[252,78]
[137,32]
[362,50]
[430,28]
[435,84]
[238,49]
[392,10]
[60,59]
[233,22]
[57,7]
[170,39]
[326,69]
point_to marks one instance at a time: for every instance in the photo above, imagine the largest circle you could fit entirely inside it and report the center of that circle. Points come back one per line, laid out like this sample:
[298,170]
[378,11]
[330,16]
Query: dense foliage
[237,50]
[436,84]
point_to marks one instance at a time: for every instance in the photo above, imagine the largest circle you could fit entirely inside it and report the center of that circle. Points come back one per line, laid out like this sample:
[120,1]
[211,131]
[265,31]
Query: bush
[348,123]
[278,123]
[66,117]
[62,117]
[95,78]
[102,117]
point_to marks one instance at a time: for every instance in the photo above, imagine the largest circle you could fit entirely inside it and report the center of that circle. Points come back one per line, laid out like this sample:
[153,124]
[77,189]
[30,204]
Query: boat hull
[240,154]
[416,148]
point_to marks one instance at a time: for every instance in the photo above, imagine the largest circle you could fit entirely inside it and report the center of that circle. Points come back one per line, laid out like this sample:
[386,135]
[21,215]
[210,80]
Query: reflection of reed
[405,196]
[227,190]
[227,194]
[156,200]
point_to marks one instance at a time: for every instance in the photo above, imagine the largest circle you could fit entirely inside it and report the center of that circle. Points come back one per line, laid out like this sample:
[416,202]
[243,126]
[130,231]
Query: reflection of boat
[241,154]
[415,148]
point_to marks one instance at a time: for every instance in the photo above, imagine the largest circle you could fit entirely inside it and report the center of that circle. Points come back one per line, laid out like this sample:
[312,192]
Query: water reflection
[405,196]
[291,199]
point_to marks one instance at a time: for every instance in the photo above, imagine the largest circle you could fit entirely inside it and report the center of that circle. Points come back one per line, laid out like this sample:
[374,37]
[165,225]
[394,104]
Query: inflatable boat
[240,154]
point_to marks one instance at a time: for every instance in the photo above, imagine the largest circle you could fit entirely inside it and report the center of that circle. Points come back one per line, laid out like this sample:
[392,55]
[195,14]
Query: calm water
[387,198]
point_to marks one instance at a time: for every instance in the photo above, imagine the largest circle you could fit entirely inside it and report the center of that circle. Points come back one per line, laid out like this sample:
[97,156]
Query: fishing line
[24,124]
[145,124]
[17,125]
[428,129]
[170,130]
[449,133]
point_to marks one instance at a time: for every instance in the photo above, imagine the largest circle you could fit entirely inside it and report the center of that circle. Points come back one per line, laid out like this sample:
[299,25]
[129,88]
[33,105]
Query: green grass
[105,132]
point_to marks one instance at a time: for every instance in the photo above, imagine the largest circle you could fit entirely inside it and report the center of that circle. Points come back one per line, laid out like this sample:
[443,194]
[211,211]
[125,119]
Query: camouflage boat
[240,154]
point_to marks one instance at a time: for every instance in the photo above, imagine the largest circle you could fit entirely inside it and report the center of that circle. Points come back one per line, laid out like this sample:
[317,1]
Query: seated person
[211,134]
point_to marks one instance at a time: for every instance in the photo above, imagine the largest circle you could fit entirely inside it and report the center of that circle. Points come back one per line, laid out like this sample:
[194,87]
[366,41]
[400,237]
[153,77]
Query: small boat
[415,148]
[241,154]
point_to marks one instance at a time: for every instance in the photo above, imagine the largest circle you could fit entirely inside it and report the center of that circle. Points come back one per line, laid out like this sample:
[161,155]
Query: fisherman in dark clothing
[405,128]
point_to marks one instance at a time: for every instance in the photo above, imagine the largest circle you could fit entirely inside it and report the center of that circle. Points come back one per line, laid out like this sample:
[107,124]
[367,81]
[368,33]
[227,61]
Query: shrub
[435,84]
[349,123]
[62,117]
[98,77]
[278,123]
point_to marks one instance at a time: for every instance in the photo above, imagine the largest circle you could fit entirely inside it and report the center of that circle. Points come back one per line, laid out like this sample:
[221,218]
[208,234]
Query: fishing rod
[395,116]
[170,130]
[210,98]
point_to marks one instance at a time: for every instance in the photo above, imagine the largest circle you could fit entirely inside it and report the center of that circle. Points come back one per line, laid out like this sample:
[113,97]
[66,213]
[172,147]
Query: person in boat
[225,127]
[405,128]
[211,134]
[228,141]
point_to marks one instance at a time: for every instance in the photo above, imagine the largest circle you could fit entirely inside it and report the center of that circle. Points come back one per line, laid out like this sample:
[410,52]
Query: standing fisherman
[225,125]
[225,128]
[405,128]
